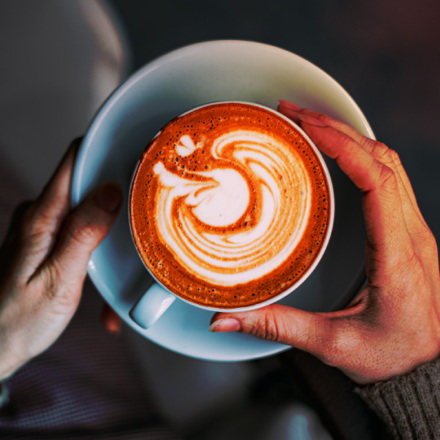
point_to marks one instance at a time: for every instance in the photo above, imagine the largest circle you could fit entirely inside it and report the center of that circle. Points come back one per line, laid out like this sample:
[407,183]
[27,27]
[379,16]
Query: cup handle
[152,305]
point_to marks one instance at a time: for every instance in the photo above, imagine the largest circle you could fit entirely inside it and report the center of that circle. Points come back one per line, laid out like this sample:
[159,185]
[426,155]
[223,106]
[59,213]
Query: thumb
[82,231]
[304,330]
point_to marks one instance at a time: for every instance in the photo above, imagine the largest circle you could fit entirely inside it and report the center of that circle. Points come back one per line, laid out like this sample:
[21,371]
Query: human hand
[43,264]
[393,324]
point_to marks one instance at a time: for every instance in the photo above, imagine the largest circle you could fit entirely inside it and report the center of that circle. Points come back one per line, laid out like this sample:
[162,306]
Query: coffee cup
[231,208]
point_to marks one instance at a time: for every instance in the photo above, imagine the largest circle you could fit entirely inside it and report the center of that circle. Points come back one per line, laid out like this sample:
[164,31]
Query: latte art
[237,222]
[229,205]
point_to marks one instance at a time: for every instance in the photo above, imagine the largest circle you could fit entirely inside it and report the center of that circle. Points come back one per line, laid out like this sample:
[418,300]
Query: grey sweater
[408,404]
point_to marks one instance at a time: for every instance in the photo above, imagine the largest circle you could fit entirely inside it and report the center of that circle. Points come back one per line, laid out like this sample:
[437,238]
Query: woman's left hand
[43,264]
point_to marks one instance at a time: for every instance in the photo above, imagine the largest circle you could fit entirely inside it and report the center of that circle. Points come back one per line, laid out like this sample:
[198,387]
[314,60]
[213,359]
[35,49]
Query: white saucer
[167,87]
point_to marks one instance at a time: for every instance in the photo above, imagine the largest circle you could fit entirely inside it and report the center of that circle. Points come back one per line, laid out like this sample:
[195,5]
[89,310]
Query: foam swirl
[241,219]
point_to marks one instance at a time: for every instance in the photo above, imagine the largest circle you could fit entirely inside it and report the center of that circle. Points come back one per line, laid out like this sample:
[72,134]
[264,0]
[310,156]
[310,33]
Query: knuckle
[346,141]
[52,275]
[387,179]
[313,334]
[33,221]
[57,286]
[316,334]
[384,154]
[79,230]
[394,156]
[334,349]
[266,327]
[320,116]
[26,217]
[431,238]
[380,150]
[393,160]
[322,336]
[429,241]
[338,344]
[327,120]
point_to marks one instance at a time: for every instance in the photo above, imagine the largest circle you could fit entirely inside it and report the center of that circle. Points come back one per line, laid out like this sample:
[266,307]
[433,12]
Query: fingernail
[311,120]
[225,325]
[108,197]
[286,105]
[114,327]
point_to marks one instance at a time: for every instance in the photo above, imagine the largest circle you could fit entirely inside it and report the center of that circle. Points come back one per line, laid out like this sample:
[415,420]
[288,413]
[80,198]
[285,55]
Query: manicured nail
[225,325]
[286,105]
[108,197]
[114,327]
[311,120]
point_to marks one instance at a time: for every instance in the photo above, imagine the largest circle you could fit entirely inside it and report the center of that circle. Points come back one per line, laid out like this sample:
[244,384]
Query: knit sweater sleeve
[408,404]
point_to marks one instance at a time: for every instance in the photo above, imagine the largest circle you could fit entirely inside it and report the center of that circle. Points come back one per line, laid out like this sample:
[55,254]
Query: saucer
[135,112]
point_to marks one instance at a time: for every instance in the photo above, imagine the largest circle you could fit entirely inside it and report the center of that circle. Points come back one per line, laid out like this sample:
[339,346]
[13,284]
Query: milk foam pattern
[229,205]
[240,220]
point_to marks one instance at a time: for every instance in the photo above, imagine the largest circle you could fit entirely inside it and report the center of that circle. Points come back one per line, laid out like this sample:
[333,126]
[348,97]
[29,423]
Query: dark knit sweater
[408,404]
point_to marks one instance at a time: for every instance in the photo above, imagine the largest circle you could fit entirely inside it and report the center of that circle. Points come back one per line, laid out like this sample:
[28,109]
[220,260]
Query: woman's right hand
[393,325]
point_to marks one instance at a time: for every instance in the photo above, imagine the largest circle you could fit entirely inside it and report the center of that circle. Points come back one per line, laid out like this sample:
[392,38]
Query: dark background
[386,54]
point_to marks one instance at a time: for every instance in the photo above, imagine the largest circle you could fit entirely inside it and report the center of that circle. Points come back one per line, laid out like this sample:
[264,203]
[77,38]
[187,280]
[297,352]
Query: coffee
[229,205]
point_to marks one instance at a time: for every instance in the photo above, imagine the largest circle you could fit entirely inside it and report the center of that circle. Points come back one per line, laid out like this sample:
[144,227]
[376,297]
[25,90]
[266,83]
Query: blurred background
[61,59]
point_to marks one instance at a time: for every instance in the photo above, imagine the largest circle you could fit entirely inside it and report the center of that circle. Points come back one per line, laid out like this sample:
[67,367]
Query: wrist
[6,373]
[9,364]
[383,363]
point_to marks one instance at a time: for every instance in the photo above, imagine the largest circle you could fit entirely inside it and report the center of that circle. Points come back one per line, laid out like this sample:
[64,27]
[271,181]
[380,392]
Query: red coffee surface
[229,205]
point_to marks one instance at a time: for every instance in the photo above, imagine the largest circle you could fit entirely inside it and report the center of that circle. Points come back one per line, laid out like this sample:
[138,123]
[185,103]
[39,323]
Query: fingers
[339,142]
[406,187]
[110,320]
[378,150]
[317,333]
[53,203]
[82,231]
[378,181]
[277,323]
[296,112]
[43,218]
[382,204]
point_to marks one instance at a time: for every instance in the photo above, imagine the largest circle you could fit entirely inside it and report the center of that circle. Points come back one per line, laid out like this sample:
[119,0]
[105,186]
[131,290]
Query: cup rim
[324,244]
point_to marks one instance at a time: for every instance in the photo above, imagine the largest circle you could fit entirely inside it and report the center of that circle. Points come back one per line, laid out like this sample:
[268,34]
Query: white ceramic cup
[157,299]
